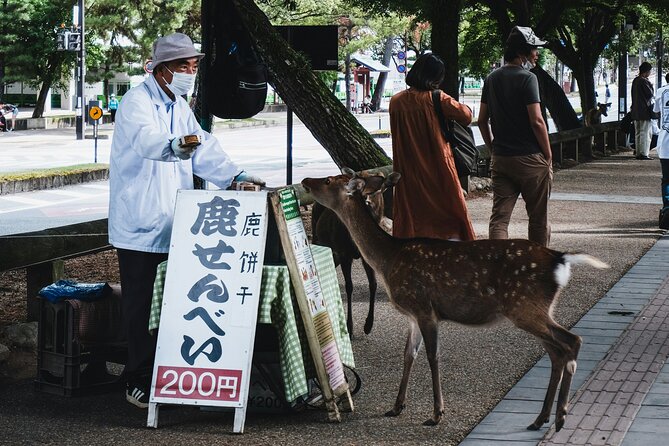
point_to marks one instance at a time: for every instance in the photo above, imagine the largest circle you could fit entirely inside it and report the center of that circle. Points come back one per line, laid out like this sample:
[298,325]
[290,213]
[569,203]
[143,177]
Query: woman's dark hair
[645,67]
[427,72]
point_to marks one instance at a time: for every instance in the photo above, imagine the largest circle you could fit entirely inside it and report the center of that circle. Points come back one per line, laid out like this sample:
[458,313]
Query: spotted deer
[329,231]
[472,283]
[594,115]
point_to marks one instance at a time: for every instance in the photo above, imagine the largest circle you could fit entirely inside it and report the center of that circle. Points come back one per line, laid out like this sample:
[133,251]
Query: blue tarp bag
[68,289]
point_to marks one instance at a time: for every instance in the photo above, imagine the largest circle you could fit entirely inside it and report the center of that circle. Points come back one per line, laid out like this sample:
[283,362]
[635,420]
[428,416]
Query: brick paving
[621,387]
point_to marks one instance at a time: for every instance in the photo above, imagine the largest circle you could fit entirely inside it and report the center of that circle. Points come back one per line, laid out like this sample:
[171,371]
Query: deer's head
[332,191]
[603,108]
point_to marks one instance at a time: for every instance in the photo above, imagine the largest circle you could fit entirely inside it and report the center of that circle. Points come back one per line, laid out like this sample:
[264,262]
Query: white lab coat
[662,106]
[144,173]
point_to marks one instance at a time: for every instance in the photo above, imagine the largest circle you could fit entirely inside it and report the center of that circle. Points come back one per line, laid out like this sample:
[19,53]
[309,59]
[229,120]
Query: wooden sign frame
[317,324]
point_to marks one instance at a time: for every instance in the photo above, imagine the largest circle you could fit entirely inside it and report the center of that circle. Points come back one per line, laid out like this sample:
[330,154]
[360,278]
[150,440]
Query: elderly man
[150,160]
[642,111]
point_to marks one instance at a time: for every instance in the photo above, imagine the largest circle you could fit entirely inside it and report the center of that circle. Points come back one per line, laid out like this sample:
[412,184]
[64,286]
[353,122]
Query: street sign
[95,113]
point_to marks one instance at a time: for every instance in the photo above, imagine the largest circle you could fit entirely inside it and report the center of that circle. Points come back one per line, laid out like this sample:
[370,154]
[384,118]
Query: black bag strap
[436,102]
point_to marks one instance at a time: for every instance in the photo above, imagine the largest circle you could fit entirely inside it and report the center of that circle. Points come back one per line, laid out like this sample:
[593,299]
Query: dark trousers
[113,114]
[665,182]
[138,271]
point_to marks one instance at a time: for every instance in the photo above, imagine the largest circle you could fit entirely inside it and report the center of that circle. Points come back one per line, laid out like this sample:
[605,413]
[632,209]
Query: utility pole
[80,71]
[659,54]
[622,76]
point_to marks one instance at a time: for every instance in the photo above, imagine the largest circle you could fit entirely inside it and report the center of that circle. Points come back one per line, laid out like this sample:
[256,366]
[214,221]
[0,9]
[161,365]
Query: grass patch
[56,171]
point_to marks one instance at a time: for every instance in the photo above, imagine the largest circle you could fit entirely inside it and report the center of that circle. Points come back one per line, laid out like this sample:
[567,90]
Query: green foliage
[479,47]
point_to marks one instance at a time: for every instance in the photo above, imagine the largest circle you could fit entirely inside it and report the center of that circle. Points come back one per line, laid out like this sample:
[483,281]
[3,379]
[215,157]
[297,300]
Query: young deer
[473,283]
[329,231]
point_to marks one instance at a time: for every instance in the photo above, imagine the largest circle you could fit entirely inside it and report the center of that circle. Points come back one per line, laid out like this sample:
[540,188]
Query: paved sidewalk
[621,386]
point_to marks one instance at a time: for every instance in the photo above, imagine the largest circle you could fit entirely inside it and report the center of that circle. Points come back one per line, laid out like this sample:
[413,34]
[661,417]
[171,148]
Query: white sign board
[210,302]
[312,288]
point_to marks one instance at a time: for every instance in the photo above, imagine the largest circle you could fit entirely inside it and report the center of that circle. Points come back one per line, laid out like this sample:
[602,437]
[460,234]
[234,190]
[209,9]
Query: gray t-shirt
[508,91]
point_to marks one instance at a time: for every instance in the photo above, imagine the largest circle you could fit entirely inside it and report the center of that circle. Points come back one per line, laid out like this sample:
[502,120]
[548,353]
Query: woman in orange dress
[428,200]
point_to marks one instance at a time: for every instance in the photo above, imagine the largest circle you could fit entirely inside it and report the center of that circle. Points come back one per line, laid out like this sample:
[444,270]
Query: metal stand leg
[152,420]
[240,418]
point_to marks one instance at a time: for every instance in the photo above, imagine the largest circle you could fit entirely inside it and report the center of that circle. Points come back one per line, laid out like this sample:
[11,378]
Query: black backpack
[237,78]
[460,138]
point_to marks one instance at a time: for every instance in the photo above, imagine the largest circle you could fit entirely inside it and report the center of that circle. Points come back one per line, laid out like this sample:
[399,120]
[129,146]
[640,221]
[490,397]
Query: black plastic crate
[75,341]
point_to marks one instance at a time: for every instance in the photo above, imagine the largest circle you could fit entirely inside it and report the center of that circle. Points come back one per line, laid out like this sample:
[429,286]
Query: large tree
[322,113]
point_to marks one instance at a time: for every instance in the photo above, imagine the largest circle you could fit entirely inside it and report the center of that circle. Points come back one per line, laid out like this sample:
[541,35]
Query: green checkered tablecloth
[277,307]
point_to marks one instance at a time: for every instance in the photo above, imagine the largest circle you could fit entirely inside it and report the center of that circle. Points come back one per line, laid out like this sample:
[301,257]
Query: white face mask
[527,65]
[182,83]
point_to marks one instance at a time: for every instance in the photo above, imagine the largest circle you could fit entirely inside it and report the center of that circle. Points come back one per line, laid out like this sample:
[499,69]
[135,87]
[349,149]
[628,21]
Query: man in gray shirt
[514,130]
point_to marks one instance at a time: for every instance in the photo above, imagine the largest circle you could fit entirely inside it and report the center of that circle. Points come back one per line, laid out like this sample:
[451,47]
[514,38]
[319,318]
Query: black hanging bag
[460,138]
[237,81]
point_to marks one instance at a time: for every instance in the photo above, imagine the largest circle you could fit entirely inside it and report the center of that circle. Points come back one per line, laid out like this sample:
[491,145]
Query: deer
[594,115]
[328,230]
[474,283]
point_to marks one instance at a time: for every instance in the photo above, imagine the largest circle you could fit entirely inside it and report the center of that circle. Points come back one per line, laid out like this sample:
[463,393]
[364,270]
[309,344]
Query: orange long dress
[428,200]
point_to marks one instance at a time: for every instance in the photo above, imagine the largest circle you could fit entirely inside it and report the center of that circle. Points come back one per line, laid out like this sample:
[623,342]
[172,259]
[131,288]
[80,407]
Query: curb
[52,182]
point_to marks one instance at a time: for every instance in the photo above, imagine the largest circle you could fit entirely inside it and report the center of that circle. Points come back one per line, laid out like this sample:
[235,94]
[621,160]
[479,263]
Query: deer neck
[375,245]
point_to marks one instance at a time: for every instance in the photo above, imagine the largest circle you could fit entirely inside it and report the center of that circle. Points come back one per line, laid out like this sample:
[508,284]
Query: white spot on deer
[523,268]
[515,273]
[490,290]
[518,284]
[484,271]
[519,252]
[562,273]
[533,265]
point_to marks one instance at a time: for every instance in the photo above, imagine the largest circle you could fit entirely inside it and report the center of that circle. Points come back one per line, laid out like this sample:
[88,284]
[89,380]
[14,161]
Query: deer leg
[574,345]
[414,341]
[371,279]
[430,330]
[348,283]
[557,366]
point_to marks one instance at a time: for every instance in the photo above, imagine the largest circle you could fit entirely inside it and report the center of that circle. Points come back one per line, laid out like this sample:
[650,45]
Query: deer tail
[576,259]
[562,271]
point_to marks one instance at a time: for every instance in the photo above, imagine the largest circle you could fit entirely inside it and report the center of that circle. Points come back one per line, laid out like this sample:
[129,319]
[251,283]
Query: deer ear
[392,180]
[348,172]
[355,185]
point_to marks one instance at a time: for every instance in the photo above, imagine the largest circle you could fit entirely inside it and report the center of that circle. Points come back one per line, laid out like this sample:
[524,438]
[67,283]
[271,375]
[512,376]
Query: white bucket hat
[172,47]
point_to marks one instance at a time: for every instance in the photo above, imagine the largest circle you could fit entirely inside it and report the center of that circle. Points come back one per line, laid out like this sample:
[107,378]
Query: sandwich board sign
[309,296]
[210,302]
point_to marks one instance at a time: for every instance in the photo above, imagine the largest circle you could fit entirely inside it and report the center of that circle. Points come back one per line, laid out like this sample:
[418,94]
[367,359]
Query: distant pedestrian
[662,107]
[521,153]
[642,111]
[607,94]
[11,111]
[112,106]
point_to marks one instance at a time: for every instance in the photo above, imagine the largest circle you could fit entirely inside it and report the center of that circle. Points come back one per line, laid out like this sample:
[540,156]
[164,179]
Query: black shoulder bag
[460,138]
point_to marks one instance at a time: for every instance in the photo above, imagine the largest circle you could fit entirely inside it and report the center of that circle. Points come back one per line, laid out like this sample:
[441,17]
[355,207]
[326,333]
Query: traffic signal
[402,64]
[73,41]
[61,40]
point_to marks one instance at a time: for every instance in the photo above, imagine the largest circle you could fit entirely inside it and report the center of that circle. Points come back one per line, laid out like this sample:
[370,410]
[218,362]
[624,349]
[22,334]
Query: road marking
[26,200]
[66,193]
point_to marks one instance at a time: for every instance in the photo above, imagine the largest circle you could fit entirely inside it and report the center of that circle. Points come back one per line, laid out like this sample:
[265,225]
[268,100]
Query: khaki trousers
[643,132]
[530,176]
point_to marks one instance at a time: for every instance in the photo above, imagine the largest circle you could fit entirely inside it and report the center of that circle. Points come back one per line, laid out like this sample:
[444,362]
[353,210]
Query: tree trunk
[445,22]
[554,99]
[347,81]
[42,96]
[381,83]
[337,130]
